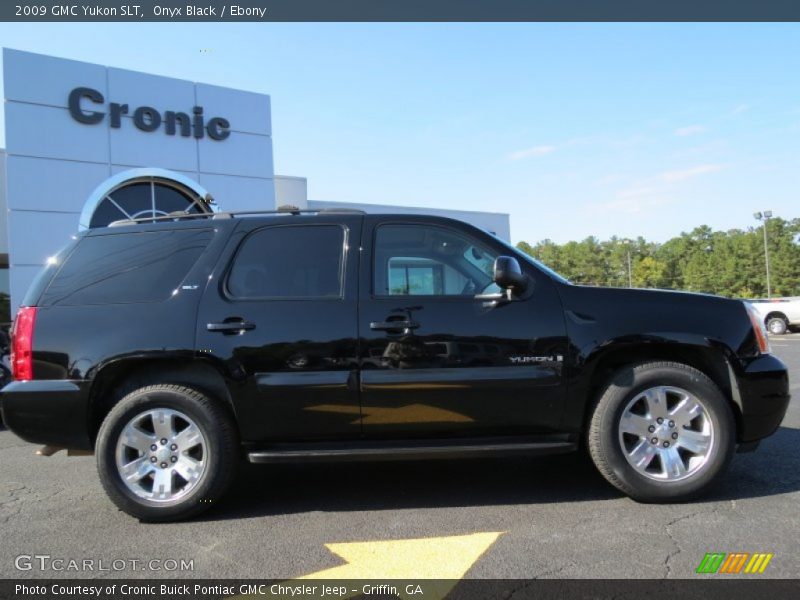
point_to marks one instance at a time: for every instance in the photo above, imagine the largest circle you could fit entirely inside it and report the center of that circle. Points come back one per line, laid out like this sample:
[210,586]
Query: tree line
[729,263]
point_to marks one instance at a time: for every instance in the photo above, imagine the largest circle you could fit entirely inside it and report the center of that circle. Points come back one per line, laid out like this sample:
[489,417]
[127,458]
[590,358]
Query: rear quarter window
[126,268]
[45,276]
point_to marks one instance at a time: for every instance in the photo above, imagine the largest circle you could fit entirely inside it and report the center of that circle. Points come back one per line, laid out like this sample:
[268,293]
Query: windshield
[528,258]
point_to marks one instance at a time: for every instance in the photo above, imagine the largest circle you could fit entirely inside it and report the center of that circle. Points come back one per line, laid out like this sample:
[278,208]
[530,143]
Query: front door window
[421,260]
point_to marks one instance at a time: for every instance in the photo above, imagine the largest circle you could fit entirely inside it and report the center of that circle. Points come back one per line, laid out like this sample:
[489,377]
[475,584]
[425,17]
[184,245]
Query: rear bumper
[52,412]
[763,397]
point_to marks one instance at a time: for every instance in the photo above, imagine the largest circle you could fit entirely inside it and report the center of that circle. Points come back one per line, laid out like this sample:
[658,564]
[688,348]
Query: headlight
[758,328]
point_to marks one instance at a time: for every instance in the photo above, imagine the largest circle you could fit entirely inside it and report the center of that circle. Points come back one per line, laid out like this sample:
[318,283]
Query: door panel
[437,361]
[295,370]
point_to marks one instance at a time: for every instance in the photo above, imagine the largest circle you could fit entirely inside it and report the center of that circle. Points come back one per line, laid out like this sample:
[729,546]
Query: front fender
[593,364]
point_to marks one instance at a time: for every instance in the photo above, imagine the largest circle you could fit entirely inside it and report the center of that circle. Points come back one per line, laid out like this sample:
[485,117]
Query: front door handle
[231,326]
[406,326]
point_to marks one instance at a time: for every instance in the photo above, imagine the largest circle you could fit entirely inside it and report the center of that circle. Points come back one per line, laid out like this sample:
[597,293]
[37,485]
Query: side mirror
[508,274]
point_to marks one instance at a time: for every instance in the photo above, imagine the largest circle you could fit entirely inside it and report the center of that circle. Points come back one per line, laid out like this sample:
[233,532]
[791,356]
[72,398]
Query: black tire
[777,325]
[603,436]
[221,456]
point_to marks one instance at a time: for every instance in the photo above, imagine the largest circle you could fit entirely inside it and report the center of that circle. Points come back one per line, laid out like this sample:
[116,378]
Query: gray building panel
[45,184]
[117,169]
[143,89]
[130,147]
[49,132]
[243,193]
[40,79]
[248,112]
[241,154]
[3,206]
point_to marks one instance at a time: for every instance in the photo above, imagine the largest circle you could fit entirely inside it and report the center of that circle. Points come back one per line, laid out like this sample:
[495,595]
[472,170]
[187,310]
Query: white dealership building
[87,144]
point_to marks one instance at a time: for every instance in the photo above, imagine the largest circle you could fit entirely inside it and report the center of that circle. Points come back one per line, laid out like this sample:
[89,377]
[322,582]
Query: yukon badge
[524,360]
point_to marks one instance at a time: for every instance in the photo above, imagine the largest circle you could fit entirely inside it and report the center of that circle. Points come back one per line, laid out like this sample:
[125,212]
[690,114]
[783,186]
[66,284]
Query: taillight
[22,344]
[758,328]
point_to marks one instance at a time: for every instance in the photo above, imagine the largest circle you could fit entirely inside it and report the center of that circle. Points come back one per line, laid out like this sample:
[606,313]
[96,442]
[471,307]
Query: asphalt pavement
[550,517]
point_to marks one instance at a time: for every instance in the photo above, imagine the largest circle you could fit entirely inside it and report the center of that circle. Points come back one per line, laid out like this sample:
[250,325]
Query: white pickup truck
[779,313]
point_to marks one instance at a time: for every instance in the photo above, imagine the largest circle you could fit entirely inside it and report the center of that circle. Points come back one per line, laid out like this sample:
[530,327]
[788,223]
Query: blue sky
[573,129]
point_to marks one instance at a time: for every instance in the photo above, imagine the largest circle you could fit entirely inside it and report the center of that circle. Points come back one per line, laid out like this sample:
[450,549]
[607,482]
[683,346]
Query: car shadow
[774,468]
[263,490]
[364,486]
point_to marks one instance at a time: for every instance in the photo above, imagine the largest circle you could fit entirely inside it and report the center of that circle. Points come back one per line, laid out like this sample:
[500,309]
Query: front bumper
[762,396]
[52,412]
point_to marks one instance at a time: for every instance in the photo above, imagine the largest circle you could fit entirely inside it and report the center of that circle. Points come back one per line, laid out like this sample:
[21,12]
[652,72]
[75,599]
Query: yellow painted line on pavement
[397,565]
[424,558]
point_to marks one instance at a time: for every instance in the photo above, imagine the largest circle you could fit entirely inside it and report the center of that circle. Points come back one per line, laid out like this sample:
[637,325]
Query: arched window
[143,193]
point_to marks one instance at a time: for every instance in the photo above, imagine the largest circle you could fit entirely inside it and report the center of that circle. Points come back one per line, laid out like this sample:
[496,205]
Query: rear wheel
[661,432]
[777,325]
[166,452]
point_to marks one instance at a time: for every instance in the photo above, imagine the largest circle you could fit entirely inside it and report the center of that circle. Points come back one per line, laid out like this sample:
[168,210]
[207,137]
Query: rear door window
[127,267]
[289,261]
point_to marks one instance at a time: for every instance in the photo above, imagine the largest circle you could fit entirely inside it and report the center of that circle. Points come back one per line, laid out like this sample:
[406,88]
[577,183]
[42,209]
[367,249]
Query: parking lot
[509,518]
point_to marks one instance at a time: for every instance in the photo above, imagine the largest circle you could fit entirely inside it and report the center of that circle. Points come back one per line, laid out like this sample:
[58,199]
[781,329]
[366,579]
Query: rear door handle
[231,327]
[393,325]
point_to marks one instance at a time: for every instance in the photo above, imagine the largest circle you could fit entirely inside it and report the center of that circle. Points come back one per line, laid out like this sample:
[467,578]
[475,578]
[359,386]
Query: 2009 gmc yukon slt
[171,348]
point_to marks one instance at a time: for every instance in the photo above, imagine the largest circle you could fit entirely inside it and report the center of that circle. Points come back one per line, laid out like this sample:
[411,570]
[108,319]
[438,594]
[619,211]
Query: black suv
[171,348]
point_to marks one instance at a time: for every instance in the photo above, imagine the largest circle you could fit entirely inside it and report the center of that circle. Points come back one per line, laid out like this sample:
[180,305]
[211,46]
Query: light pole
[764,217]
[628,249]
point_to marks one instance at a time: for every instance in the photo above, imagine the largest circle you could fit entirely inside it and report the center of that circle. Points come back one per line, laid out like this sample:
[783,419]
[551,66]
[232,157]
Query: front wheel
[661,432]
[166,452]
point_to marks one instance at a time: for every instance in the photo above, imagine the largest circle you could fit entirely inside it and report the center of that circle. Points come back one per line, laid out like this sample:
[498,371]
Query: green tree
[729,263]
[648,272]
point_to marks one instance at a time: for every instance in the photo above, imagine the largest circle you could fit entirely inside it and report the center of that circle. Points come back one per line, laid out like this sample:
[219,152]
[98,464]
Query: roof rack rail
[231,214]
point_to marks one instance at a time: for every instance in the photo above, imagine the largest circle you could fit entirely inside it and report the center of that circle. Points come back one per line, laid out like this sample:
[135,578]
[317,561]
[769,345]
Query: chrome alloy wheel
[666,433]
[161,455]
